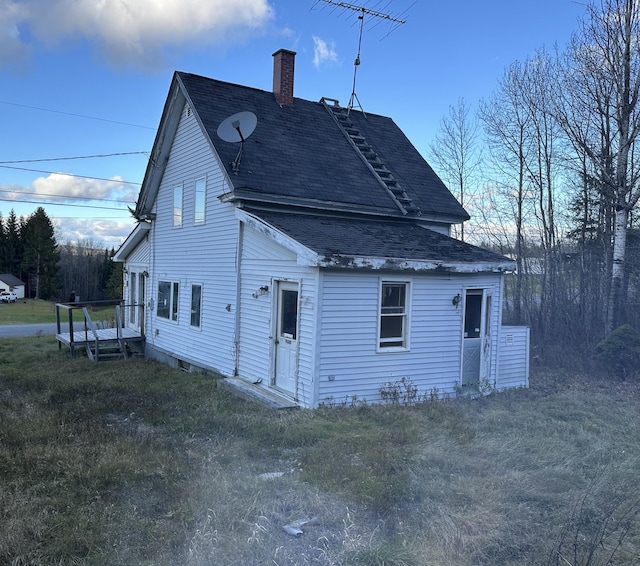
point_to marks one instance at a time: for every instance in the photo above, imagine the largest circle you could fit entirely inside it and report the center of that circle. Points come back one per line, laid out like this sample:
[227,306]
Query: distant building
[9,282]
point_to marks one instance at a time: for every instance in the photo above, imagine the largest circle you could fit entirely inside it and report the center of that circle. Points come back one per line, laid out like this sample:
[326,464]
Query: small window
[177,206]
[196,305]
[393,315]
[168,293]
[199,200]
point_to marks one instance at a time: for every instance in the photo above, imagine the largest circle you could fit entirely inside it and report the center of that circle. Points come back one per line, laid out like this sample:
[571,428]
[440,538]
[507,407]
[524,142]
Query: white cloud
[101,232]
[130,31]
[323,52]
[67,188]
[80,208]
[12,51]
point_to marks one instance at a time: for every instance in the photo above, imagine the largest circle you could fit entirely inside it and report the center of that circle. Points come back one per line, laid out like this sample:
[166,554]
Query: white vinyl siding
[204,254]
[264,262]
[349,363]
[513,369]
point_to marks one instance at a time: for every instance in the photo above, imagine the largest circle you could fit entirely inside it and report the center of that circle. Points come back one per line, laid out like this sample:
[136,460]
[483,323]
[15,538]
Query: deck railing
[84,323]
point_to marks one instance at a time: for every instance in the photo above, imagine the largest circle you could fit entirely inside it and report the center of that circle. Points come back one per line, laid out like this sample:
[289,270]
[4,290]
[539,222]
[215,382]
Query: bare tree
[455,151]
[600,112]
[506,119]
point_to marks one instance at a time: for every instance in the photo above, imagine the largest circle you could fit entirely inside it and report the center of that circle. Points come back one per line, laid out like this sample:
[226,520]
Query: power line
[77,157]
[76,115]
[59,196]
[42,202]
[70,175]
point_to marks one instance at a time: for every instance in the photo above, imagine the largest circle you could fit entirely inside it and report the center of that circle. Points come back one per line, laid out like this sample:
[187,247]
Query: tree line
[52,271]
[549,168]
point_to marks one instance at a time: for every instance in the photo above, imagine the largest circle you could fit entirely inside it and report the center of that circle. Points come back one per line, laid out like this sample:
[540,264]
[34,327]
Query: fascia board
[132,241]
[161,148]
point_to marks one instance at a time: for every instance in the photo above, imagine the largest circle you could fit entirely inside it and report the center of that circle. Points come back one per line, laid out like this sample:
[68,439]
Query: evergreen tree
[40,256]
[12,252]
[3,244]
[113,287]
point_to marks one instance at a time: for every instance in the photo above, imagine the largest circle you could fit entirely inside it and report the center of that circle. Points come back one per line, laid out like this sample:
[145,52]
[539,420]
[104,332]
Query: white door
[286,337]
[142,297]
[478,338]
[137,292]
[487,338]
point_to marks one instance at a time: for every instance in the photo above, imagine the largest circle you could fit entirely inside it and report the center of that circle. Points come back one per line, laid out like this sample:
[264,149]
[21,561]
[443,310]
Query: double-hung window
[196,305]
[199,199]
[168,293]
[177,206]
[393,326]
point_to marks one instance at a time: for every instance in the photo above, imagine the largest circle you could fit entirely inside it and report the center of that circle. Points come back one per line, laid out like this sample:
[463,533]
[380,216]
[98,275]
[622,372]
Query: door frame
[487,334]
[279,285]
[137,280]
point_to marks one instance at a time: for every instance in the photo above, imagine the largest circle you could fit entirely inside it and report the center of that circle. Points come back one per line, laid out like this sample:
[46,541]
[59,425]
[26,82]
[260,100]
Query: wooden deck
[81,337]
[99,341]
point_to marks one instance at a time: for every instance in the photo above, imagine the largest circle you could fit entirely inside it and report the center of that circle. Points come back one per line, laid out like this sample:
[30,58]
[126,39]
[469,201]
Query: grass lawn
[133,463]
[37,311]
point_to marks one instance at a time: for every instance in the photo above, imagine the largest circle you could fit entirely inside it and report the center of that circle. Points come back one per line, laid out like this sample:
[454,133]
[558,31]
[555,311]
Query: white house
[10,282]
[304,249]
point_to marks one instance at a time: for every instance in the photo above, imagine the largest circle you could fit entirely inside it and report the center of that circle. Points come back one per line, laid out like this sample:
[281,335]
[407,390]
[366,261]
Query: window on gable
[196,305]
[199,200]
[168,293]
[393,315]
[177,206]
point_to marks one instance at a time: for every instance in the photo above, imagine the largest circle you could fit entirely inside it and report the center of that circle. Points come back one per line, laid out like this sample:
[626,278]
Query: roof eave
[161,149]
[137,235]
[339,261]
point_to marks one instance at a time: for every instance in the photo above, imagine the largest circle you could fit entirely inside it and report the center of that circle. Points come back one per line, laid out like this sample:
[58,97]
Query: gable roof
[10,280]
[380,244]
[298,155]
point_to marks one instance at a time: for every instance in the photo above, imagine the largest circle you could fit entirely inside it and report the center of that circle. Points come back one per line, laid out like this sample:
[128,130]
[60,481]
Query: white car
[8,297]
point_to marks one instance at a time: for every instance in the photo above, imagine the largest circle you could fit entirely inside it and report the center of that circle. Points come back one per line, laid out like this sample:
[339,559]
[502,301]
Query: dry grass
[133,463]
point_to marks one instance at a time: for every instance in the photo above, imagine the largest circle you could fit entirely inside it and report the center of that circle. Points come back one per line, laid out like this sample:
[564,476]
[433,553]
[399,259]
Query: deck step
[256,392]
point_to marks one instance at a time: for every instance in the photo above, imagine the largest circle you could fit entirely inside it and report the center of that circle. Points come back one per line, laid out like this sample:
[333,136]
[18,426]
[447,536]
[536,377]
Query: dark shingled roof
[331,236]
[10,280]
[299,152]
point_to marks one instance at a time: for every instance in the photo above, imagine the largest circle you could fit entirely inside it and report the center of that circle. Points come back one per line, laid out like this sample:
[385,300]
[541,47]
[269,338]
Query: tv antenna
[237,128]
[394,20]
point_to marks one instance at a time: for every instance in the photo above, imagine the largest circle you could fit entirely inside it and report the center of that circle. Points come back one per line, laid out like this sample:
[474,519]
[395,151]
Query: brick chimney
[283,64]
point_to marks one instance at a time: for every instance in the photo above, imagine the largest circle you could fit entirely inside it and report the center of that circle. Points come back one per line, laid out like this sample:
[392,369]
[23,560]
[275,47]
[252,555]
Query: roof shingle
[298,152]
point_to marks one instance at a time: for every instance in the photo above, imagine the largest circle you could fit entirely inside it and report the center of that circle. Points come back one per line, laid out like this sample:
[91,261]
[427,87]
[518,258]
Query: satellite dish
[238,127]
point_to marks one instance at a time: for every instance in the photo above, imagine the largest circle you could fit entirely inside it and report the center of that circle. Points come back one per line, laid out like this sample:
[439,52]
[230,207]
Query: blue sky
[88,79]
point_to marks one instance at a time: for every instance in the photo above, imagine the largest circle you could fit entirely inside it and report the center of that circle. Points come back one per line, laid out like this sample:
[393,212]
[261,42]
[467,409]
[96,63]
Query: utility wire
[70,175]
[85,198]
[42,202]
[77,157]
[76,115]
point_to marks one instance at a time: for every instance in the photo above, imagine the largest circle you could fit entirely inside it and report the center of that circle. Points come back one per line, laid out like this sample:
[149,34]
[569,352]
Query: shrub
[620,351]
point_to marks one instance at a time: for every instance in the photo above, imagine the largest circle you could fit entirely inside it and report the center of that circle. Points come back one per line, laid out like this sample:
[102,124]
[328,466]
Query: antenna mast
[363,10]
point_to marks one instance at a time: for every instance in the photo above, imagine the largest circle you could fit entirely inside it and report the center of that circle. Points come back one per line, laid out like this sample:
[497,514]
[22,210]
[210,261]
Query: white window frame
[199,200]
[178,205]
[199,325]
[173,300]
[390,344]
